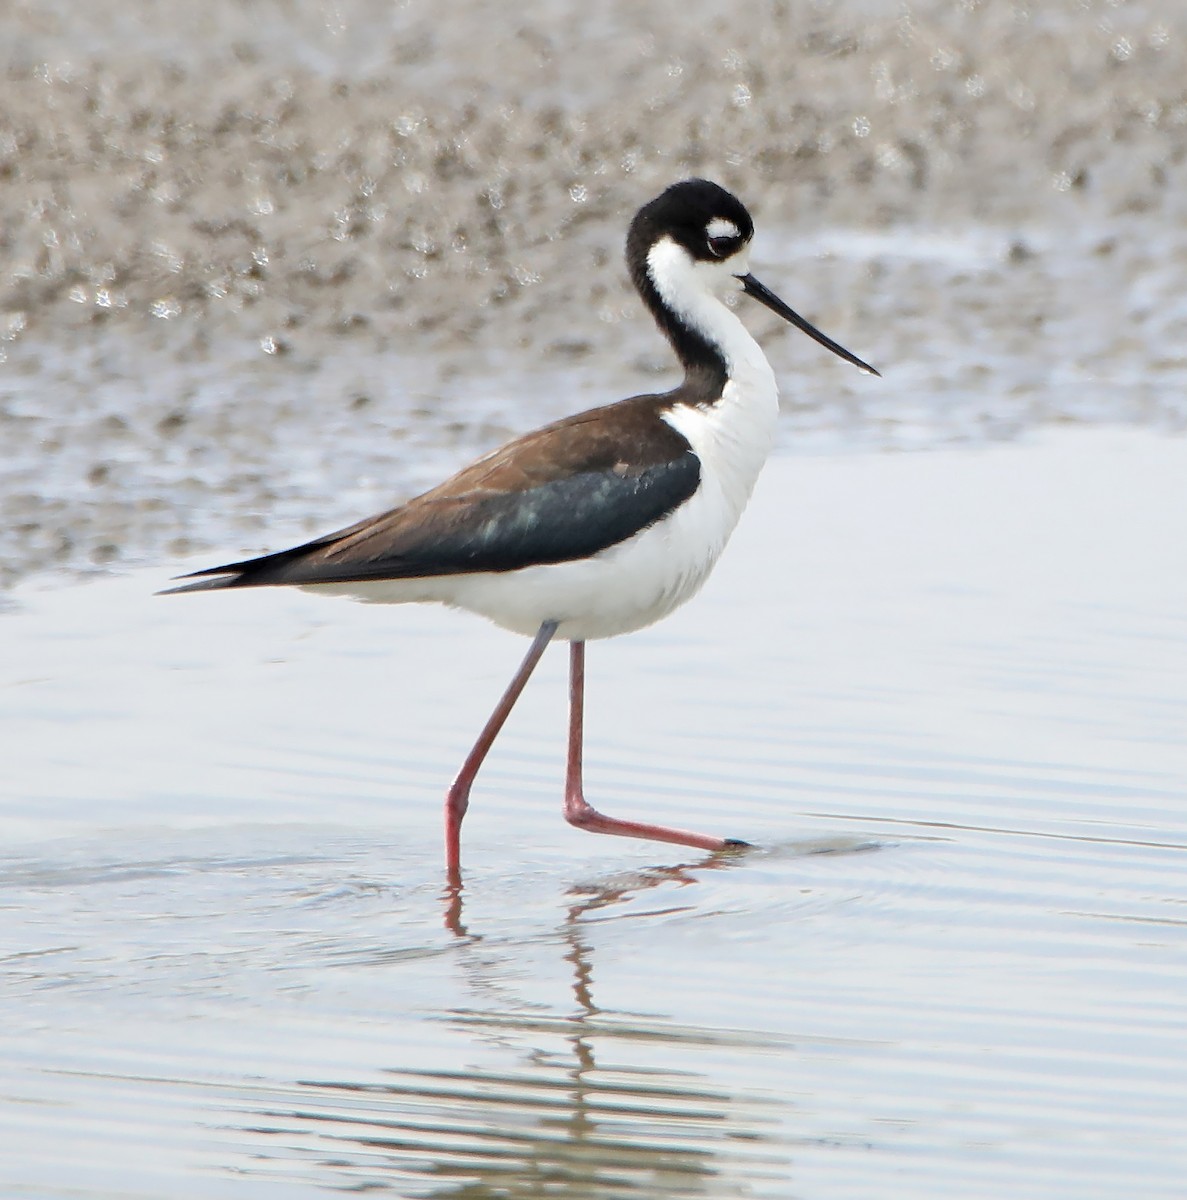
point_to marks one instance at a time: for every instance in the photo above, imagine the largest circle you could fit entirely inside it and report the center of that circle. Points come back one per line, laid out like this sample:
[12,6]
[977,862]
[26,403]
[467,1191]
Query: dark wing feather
[564,492]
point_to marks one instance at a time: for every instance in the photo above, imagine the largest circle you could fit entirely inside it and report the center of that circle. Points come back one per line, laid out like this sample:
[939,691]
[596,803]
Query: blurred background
[282,262]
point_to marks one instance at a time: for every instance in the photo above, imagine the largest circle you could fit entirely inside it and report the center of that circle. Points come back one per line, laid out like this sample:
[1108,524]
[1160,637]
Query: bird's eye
[723,237]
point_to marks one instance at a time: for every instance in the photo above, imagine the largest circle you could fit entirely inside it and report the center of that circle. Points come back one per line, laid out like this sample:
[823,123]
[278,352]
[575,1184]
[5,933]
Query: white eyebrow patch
[719,227]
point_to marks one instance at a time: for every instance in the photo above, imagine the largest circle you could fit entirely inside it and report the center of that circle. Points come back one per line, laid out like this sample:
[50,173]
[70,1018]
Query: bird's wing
[563,492]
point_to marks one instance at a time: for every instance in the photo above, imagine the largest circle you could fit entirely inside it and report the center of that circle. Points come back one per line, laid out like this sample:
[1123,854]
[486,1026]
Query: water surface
[944,693]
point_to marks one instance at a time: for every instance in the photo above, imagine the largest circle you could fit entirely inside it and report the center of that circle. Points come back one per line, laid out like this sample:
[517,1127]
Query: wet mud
[264,263]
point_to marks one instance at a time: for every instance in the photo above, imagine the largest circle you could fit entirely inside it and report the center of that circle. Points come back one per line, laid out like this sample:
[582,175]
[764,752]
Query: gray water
[267,268]
[944,694]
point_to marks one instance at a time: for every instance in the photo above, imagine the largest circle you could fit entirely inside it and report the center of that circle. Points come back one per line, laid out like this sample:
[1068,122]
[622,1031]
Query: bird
[598,524]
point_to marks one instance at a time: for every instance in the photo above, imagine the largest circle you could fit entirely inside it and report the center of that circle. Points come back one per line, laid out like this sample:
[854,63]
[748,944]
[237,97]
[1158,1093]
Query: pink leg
[457,799]
[580,813]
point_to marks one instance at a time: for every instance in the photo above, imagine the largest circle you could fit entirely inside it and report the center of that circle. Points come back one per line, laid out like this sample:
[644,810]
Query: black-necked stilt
[598,524]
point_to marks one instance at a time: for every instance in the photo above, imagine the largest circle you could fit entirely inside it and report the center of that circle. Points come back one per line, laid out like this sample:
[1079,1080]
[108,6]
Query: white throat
[692,291]
[733,434]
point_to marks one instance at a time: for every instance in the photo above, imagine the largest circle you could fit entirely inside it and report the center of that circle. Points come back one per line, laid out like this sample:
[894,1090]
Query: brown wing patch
[626,438]
[562,492]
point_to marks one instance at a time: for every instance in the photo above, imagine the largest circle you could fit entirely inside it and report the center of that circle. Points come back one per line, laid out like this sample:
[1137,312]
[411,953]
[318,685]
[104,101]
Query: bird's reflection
[604,893]
[589,1106]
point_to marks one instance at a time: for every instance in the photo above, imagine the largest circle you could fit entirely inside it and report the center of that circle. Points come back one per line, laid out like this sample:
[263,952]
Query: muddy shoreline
[228,236]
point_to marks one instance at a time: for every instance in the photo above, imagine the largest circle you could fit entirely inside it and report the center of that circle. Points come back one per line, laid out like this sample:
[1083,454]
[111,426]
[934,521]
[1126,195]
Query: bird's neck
[713,345]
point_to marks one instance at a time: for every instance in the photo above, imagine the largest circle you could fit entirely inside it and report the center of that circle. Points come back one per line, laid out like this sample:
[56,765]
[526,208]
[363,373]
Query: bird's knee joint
[456,804]
[581,816]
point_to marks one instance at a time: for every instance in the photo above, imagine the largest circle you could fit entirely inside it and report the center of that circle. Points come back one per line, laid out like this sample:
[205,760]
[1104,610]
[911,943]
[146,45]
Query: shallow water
[944,693]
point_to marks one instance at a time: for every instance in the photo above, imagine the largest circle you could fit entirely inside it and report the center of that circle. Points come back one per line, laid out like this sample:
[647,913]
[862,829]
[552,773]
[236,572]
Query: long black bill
[764,295]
